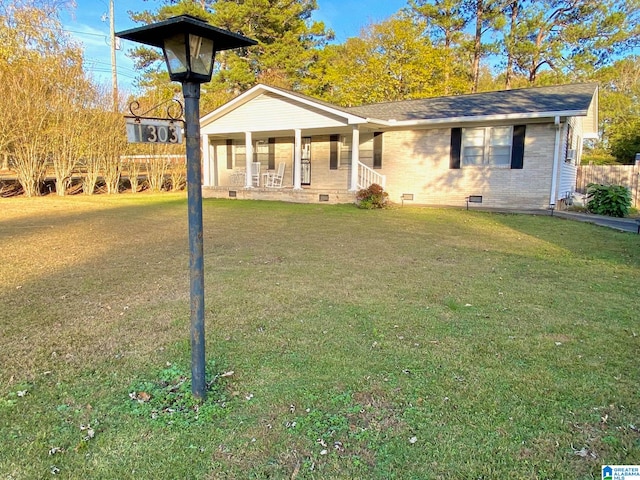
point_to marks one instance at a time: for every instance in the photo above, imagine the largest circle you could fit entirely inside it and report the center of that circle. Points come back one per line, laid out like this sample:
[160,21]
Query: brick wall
[417,162]
[321,174]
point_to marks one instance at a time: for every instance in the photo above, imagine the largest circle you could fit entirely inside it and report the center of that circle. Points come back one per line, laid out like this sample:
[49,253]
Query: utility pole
[114,74]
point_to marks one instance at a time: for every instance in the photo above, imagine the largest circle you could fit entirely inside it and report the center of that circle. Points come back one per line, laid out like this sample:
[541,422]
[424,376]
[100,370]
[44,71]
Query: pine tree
[288,41]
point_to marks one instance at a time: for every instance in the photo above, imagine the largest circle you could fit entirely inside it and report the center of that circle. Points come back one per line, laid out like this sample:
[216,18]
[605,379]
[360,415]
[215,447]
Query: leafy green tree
[391,60]
[624,144]
[445,21]
[619,112]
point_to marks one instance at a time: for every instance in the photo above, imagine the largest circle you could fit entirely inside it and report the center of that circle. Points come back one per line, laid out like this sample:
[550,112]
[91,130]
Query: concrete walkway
[622,224]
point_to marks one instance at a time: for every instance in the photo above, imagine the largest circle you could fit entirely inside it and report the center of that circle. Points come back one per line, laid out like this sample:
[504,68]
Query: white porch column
[206,161]
[248,146]
[355,158]
[297,160]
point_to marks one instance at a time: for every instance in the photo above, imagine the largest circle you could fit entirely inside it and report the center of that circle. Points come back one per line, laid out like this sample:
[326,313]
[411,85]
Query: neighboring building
[515,148]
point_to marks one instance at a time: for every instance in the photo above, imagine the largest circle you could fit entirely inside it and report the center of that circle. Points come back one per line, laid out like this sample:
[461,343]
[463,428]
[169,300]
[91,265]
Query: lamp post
[189,45]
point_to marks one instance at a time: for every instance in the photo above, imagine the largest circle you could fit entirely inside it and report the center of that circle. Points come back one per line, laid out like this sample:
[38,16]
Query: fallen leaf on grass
[295,472]
[141,397]
[144,396]
[584,452]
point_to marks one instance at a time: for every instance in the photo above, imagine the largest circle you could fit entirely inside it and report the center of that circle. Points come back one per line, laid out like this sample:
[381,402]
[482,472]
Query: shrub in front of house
[372,197]
[610,200]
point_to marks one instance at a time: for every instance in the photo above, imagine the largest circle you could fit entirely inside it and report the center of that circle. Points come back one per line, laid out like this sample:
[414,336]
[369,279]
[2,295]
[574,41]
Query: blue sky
[89,24]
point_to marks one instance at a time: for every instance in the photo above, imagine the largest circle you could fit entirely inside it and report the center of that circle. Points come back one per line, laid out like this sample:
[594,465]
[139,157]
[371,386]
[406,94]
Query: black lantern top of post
[189,45]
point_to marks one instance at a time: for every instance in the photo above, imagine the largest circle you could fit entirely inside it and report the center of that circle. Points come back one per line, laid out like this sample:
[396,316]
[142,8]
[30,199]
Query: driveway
[622,224]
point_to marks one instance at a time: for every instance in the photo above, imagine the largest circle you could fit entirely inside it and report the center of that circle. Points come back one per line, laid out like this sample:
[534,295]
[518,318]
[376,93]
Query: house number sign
[144,130]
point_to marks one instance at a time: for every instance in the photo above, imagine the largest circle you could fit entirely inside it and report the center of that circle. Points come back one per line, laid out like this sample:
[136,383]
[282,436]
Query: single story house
[516,149]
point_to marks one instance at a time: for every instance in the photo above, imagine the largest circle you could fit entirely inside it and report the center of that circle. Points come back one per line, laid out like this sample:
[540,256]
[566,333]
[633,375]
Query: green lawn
[409,343]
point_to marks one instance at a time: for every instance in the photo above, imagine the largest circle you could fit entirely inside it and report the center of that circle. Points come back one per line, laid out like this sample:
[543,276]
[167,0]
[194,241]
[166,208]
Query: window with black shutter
[377,150]
[272,154]
[333,151]
[496,146]
[456,144]
[229,154]
[517,150]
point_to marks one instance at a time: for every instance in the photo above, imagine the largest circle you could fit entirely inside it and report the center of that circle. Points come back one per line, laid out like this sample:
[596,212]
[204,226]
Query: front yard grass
[404,343]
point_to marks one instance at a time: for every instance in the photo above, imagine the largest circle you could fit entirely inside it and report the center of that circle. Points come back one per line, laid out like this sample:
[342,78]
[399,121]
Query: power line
[108,70]
[104,35]
[107,64]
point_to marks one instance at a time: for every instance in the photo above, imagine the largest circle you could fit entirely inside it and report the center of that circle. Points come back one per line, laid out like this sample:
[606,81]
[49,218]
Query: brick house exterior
[517,149]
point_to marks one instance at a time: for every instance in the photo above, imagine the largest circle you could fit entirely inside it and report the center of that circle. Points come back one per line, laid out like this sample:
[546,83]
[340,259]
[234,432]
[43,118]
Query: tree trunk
[477,45]
[447,64]
[535,61]
[61,186]
[510,44]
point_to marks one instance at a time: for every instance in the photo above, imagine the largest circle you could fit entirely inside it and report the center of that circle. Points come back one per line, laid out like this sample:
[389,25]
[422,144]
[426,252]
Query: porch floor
[284,194]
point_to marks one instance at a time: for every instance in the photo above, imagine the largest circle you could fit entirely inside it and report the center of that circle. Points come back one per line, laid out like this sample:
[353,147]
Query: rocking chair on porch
[255,174]
[274,179]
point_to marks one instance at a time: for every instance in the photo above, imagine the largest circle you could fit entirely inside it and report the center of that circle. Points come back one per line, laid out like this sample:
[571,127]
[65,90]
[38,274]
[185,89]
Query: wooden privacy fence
[626,175]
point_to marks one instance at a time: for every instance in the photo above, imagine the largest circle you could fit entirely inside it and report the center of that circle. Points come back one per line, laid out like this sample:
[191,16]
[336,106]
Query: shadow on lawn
[582,239]
[129,211]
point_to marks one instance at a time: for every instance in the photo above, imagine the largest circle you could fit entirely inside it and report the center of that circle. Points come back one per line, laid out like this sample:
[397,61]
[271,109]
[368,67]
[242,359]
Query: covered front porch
[273,144]
[334,159]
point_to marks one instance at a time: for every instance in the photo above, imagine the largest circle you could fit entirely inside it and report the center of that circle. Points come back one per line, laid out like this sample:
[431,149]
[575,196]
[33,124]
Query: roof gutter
[478,118]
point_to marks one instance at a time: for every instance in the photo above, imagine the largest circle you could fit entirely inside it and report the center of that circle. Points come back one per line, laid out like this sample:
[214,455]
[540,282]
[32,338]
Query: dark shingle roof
[562,98]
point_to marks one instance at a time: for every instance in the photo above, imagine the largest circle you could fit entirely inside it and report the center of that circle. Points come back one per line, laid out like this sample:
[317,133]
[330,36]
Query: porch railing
[368,176]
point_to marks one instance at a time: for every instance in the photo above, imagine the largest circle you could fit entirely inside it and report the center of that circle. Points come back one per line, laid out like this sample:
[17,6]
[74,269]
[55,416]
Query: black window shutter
[333,152]
[229,154]
[456,147]
[272,154]
[517,148]
[377,150]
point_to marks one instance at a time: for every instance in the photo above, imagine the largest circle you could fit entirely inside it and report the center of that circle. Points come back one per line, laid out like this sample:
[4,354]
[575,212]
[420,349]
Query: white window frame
[239,154]
[261,153]
[345,151]
[487,146]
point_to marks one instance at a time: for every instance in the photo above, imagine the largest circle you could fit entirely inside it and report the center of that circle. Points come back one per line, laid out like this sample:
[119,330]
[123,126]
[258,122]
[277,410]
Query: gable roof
[517,104]
[563,100]
[299,98]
